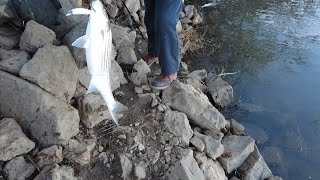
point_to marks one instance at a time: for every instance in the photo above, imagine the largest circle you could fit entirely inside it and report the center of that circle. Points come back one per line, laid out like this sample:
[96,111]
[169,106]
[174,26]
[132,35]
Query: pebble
[138,90]
[141,147]
[154,103]
[119,93]
[146,87]
[122,136]
[174,141]
[100,149]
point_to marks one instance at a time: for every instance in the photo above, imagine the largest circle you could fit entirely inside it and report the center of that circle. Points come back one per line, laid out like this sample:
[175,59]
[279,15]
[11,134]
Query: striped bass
[98,44]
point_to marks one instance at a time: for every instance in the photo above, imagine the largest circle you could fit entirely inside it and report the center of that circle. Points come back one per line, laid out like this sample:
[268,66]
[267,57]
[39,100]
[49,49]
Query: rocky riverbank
[51,129]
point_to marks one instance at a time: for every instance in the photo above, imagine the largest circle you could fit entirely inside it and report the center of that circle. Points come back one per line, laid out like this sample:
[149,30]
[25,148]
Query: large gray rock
[126,55]
[221,92]
[122,37]
[126,166]
[79,152]
[50,120]
[186,168]
[14,64]
[56,172]
[177,123]
[213,170]
[12,140]
[18,169]
[53,69]
[214,148]
[236,150]
[255,168]
[141,66]
[49,156]
[9,37]
[194,104]
[139,78]
[36,36]
[93,110]
[116,75]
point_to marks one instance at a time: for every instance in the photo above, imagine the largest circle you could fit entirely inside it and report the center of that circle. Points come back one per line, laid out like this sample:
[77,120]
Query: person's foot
[162,82]
[150,59]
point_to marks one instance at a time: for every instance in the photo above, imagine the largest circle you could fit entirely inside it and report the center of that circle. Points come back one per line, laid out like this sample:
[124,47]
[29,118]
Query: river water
[275,46]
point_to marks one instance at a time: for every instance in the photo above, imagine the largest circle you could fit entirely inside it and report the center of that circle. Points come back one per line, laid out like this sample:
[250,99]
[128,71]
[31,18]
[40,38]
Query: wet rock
[141,66]
[9,37]
[188,9]
[49,156]
[79,152]
[236,150]
[126,55]
[93,110]
[116,74]
[36,36]
[54,70]
[198,143]
[112,10]
[213,170]
[214,148]
[198,74]
[221,92]
[194,104]
[14,64]
[197,85]
[56,172]
[186,168]
[255,168]
[139,78]
[215,134]
[18,168]
[50,120]
[126,166]
[236,128]
[13,142]
[140,171]
[177,123]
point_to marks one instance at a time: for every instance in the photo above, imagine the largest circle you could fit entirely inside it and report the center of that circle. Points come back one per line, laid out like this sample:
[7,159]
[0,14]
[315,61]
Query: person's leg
[149,20]
[167,17]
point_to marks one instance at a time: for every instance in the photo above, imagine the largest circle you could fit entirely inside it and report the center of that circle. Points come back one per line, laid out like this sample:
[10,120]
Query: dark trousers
[161,19]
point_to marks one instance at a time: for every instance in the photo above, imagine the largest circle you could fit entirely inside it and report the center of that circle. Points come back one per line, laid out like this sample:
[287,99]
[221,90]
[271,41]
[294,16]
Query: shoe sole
[160,88]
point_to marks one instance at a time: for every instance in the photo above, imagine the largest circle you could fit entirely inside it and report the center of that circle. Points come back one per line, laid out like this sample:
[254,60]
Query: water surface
[276,47]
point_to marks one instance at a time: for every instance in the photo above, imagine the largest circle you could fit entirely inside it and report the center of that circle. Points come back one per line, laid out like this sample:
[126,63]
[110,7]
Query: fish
[97,43]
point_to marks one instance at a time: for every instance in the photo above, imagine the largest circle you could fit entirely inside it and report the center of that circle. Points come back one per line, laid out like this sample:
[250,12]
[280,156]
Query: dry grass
[197,40]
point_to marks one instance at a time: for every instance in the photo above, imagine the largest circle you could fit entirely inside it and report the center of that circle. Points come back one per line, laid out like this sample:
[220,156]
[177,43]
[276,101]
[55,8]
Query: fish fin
[78,11]
[116,109]
[92,88]
[208,5]
[81,42]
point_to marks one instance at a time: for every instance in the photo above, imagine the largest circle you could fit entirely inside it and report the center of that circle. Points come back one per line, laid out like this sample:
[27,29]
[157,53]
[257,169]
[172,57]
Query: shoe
[162,82]
[150,59]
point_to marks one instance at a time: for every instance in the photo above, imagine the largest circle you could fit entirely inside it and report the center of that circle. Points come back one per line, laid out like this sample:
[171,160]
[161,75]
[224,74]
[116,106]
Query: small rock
[93,110]
[236,150]
[177,123]
[122,136]
[221,92]
[141,66]
[139,78]
[126,166]
[174,141]
[179,27]
[50,155]
[146,87]
[236,128]
[100,148]
[141,147]
[122,36]
[198,143]
[79,152]
[53,69]
[138,90]
[14,64]
[103,157]
[214,148]
[126,55]
[197,19]
[56,172]
[199,75]
[140,172]
[161,108]
[186,168]
[200,157]
[18,168]
[213,170]
[36,36]
[112,10]
[13,142]
[182,15]
[197,84]
[215,134]
[188,9]
[133,5]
